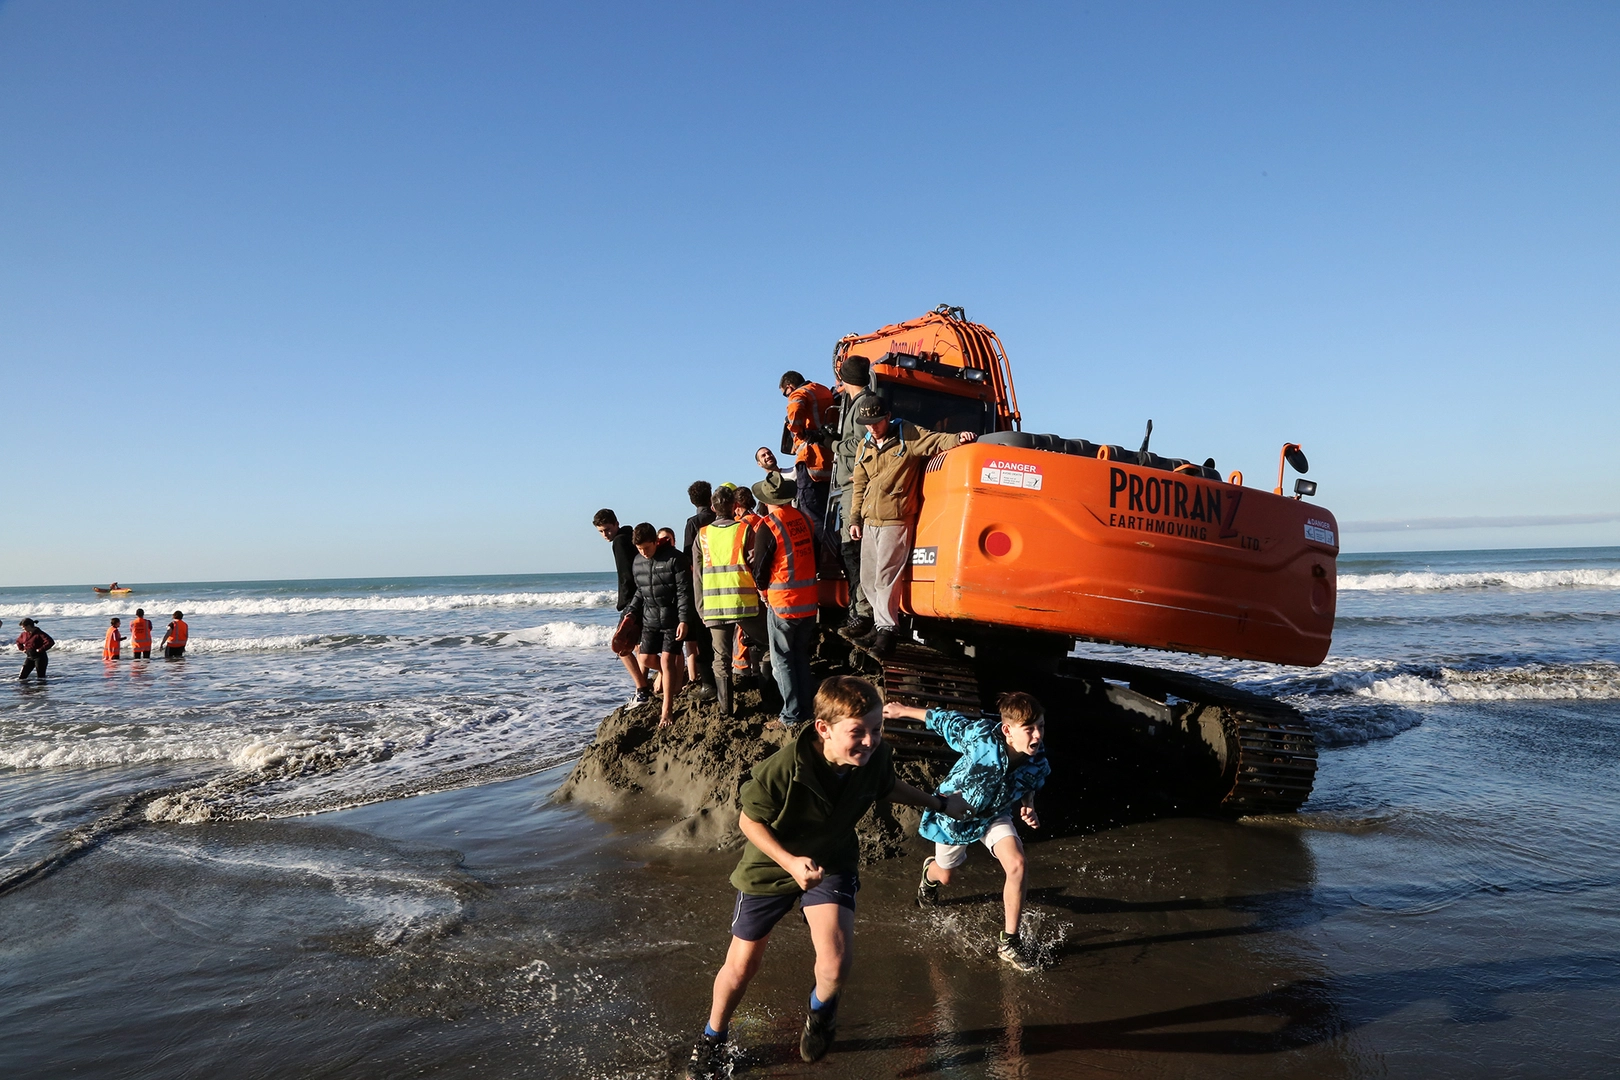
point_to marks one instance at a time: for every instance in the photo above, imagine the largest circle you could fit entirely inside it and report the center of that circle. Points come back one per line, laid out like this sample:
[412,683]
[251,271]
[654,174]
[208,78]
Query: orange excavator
[1027,543]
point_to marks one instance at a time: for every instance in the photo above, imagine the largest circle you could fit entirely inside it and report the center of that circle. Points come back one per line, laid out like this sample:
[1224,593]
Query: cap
[869,409]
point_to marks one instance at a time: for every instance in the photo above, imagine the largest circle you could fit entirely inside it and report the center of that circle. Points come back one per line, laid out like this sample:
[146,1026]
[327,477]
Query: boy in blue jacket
[1003,765]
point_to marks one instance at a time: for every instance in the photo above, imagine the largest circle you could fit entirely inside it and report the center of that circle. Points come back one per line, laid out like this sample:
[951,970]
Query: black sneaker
[1011,949]
[708,1059]
[927,889]
[819,1028]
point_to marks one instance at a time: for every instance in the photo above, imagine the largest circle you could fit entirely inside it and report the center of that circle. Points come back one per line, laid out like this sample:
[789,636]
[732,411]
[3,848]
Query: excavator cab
[935,396]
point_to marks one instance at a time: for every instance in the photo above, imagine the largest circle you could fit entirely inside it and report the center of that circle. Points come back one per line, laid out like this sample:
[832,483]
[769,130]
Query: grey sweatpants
[885,554]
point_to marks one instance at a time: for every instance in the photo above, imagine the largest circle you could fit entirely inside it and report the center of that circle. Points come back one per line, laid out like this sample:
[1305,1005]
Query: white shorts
[950,856]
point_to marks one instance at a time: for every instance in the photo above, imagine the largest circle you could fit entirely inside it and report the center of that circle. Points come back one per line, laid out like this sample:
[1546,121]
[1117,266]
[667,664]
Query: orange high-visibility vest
[791,590]
[806,412]
[140,635]
[109,648]
[176,635]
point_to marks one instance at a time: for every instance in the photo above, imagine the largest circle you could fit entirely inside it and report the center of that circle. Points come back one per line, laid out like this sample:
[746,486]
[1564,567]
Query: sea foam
[1428,581]
[305,605]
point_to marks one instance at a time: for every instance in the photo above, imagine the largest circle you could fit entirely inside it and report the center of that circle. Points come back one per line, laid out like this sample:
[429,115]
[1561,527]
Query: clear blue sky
[313,289]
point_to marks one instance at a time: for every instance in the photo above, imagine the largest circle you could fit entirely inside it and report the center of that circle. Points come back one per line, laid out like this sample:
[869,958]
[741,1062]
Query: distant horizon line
[609,572]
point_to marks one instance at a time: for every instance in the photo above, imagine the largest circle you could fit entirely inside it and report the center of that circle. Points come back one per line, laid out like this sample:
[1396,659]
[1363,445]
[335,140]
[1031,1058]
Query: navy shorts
[654,642]
[756,916]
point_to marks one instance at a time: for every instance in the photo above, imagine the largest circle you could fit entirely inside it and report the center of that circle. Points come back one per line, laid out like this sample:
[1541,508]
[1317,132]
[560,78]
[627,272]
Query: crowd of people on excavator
[746,570]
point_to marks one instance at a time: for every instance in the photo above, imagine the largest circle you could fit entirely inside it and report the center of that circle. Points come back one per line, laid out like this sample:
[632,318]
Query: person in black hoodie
[663,603]
[624,557]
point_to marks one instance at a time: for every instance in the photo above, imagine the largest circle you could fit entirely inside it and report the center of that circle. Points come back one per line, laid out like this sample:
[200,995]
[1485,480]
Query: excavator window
[938,411]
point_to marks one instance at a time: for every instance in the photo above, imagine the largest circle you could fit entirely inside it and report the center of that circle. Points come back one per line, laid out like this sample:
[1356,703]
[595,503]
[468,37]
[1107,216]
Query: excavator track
[926,678]
[1264,750]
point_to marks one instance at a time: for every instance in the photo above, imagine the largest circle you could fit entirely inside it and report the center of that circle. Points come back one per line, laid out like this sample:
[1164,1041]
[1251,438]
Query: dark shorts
[654,642]
[756,916]
[173,652]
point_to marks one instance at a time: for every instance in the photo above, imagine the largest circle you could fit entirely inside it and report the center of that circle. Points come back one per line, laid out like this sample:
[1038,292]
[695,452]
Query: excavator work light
[1302,488]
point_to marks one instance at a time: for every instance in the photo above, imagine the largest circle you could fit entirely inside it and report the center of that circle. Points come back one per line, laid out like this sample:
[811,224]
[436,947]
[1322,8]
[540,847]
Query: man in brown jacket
[886,493]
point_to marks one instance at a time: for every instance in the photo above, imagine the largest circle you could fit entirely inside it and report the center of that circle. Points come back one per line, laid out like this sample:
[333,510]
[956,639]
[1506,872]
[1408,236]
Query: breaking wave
[558,635]
[205,645]
[1428,581]
[562,635]
[1534,682]
[306,605]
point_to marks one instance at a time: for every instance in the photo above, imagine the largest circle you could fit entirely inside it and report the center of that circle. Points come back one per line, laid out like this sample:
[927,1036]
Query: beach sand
[489,932]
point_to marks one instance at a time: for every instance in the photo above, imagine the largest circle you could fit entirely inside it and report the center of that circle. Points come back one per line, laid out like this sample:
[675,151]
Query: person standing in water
[114,640]
[174,638]
[35,645]
[140,636]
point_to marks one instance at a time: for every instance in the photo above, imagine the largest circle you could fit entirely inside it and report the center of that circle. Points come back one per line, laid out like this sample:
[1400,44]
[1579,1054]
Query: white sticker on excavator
[1318,531]
[1011,474]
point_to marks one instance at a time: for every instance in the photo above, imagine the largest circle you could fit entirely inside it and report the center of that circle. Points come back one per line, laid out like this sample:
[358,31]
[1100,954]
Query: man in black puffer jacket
[663,602]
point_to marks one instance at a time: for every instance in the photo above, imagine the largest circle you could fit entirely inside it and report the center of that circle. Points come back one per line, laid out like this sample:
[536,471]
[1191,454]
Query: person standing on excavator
[784,561]
[727,599]
[853,374]
[886,493]
[809,413]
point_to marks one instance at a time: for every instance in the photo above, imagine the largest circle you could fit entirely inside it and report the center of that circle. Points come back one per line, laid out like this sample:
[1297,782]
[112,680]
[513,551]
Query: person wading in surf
[174,638]
[140,636]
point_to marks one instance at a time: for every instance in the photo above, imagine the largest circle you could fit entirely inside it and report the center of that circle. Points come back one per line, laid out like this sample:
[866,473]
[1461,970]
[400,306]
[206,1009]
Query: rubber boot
[723,690]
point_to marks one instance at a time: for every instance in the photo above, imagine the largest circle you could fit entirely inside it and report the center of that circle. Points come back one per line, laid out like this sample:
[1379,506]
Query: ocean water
[296,697]
[321,845]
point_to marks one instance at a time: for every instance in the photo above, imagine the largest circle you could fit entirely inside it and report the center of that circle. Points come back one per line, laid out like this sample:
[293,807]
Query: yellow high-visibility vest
[729,592]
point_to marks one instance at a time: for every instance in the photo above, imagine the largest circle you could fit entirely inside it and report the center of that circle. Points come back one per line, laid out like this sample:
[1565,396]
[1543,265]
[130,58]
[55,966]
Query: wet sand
[1447,909]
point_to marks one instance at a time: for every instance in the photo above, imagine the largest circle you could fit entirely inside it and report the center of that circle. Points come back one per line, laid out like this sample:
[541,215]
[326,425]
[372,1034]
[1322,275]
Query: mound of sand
[690,773]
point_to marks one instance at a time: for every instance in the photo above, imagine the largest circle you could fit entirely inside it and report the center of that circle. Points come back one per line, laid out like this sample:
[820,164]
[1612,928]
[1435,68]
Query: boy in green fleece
[799,812]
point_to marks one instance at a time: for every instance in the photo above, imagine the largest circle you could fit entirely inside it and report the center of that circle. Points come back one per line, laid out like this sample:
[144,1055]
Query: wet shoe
[1011,950]
[855,629]
[708,1059]
[819,1028]
[927,889]
[707,692]
[639,698]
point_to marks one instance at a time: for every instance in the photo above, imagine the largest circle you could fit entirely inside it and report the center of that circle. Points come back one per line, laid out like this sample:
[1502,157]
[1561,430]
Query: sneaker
[819,1028]
[708,1059]
[1011,949]
[639,698]
[927,888]
[856,628]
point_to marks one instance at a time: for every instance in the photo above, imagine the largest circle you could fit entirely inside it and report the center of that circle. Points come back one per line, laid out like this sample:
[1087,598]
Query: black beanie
[857,370]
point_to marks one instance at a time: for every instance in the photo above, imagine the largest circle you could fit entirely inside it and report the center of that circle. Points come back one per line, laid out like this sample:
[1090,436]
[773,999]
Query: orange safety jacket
[807,411]
[791,588]
[109,648]
[140,635]
[176,635]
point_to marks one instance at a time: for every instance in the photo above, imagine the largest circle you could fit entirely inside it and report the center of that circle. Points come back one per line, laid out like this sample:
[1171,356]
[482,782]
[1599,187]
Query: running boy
[799,811]
[1001,768]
